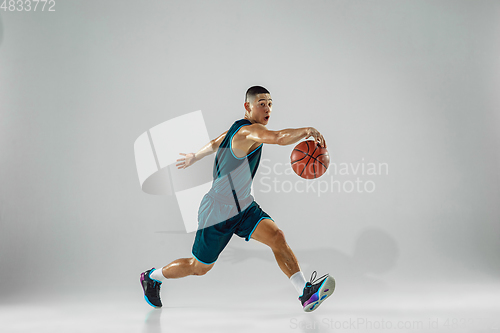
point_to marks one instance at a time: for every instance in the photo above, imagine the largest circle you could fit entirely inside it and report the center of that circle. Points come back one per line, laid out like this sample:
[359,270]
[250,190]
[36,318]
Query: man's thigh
[209,243]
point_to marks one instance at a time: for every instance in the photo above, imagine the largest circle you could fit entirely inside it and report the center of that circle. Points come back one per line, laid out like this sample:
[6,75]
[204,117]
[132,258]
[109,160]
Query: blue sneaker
[151,289]
[316,292]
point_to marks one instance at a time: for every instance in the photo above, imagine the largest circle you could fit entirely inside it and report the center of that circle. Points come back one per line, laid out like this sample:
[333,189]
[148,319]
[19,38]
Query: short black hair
[254,91]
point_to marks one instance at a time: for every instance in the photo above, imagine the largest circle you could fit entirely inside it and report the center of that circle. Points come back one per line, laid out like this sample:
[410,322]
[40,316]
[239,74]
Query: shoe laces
[156,288]
[156,284]
[313,279]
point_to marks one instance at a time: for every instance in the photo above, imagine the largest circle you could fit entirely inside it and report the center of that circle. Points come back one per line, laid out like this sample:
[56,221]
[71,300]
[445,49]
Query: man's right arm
[259,133]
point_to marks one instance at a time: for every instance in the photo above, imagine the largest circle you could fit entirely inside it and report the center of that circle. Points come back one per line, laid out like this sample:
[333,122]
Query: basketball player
[239,149]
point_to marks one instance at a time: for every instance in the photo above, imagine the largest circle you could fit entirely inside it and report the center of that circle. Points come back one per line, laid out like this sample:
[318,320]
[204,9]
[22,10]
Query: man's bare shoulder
[258,133]
[245,130]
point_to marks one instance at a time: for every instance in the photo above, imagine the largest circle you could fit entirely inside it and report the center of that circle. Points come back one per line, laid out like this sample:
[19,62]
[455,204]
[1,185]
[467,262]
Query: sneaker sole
[325,291]
[154,306]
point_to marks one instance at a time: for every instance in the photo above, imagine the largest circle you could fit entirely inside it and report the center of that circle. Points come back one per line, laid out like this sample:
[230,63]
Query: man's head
[258,105]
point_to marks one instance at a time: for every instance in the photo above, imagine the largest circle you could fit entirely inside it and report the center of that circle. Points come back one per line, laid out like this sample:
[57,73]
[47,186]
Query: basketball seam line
[305,166]
[307,160]
[307,154]
[316,159]
[300,159]
[299,150]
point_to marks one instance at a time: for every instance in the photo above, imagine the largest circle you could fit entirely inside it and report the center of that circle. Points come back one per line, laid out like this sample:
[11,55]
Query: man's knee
[200,272]
[279,239]
[201,269]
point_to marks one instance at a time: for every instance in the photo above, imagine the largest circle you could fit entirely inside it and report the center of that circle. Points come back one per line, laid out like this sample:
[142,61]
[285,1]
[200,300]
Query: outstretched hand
[186,161]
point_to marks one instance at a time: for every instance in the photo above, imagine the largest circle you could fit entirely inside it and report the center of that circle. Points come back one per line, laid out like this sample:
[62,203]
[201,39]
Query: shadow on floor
[375,252]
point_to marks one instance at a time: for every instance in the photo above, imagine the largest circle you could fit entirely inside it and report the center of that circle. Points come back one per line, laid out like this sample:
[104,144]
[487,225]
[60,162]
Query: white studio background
[412,85]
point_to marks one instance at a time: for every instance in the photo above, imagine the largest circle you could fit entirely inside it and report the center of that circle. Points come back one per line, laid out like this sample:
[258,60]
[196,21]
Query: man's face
[259,110]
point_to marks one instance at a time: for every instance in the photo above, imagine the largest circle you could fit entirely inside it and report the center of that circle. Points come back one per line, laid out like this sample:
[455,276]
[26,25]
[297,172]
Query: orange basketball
[309,160]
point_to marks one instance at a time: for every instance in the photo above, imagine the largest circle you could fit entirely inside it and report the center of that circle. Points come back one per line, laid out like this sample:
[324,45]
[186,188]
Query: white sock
[157,275]
[298,281]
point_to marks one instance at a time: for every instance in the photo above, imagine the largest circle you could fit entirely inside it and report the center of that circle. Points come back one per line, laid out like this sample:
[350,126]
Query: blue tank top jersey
[233,176]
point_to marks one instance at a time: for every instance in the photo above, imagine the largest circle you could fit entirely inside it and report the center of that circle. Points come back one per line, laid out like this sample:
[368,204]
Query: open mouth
[266,118]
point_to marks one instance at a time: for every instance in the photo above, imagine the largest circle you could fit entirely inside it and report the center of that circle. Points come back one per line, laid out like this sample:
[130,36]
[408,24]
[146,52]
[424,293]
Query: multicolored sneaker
[151,289]
[316,292]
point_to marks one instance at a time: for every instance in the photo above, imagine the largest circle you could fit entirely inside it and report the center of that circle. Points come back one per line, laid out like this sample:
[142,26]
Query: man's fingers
[321,141]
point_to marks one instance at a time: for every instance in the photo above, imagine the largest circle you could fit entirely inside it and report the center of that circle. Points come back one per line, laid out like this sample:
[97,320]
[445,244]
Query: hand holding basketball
[317,136]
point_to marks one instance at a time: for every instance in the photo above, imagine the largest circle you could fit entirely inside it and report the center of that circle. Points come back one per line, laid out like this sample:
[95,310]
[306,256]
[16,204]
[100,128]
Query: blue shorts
[210,241]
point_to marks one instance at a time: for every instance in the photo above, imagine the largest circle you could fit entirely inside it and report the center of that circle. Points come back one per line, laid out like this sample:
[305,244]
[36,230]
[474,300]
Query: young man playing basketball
[229,207]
